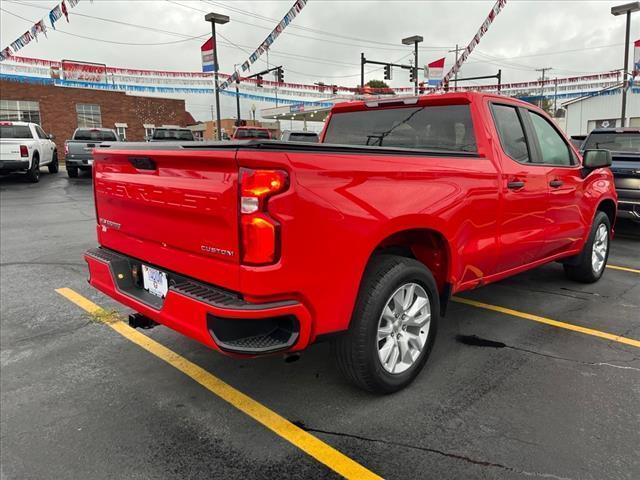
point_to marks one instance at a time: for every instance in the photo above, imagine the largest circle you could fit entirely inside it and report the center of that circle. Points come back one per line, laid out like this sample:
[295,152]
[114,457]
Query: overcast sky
[325,40]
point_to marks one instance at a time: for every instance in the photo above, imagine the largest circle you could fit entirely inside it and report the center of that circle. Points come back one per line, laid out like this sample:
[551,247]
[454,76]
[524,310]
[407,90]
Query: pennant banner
[39,27]
[636,58]
[497,8]
[98,73]
[264,46]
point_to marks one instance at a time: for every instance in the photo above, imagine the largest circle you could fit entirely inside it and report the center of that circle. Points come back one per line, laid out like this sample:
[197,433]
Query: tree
[381,88]
[376,84]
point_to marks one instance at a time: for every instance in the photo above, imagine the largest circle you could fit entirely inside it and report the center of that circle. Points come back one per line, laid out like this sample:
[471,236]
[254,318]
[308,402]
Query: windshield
[95,135]
[617,142]
[15,131]
[251,133]
[172,134]
[303,137]
[426,128]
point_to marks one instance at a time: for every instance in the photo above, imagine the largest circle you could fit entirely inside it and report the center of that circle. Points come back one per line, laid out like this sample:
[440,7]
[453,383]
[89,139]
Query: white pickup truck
[25,147]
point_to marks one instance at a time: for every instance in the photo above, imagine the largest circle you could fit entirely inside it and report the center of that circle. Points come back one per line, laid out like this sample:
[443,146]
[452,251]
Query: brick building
[60,110]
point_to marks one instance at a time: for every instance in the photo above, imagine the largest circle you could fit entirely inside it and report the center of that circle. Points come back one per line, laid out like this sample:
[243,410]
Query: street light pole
[627,9]
[221,19]
[415,40]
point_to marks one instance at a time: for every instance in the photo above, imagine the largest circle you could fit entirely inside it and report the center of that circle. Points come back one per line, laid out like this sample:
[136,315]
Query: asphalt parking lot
[504,395]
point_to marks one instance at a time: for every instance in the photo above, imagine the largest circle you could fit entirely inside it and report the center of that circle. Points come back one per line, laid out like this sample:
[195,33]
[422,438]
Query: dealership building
[591,111]
[60,110]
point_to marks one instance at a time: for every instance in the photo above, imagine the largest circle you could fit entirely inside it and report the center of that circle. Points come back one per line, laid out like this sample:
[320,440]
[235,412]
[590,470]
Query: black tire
[54,166]
[72,172]
[33,174]
[356,351]
[581,269]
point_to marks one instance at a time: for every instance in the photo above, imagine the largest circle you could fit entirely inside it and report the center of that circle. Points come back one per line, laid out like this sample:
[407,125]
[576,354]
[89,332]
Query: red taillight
[24,151]
[66,149]
[258,230]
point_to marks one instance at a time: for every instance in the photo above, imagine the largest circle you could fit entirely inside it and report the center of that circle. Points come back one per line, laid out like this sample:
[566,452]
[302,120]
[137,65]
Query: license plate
[89,162]
[155,281]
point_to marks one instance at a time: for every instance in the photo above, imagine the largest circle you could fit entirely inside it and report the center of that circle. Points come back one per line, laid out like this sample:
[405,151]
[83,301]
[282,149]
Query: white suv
[24,147]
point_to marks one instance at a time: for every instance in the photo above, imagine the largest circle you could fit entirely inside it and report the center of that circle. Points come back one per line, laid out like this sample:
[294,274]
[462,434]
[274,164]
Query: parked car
[78,151]
[624,145]
[251,133]
[24,148]
[168,134]
[577,141]
[299,136]
[264,247]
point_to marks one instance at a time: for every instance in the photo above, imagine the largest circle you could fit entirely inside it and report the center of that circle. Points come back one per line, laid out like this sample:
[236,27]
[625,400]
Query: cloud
[328,37]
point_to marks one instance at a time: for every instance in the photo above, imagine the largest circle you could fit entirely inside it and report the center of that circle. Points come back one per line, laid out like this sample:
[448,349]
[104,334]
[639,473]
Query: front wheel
[393,325]
[54,166]
[72,172]
[592,261]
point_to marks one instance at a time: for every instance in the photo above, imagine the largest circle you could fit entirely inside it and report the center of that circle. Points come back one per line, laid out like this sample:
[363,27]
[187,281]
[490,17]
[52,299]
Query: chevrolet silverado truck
[624,144]
[256,247]
[24,148]
[78,151]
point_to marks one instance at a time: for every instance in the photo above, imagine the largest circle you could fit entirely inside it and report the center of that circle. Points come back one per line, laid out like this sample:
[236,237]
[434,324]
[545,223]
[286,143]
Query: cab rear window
[95,135]
[446,128]
[247,133]
[15,131]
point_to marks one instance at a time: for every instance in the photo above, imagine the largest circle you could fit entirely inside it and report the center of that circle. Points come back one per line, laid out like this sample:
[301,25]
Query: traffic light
[387,72]
[259,81]
[279,75]
[421,88]
[412,75]
[334,89]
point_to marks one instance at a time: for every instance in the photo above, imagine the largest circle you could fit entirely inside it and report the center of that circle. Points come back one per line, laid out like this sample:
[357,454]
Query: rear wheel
[33,174]
[72,172]
[393,326]
[592,261]
[54,166]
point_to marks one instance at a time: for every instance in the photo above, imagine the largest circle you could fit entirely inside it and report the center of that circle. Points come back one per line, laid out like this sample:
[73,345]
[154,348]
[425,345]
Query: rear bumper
[7,166]
[78,162]
[215,317]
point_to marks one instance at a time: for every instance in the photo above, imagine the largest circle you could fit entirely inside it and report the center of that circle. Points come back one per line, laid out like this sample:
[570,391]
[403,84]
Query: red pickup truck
[258,247]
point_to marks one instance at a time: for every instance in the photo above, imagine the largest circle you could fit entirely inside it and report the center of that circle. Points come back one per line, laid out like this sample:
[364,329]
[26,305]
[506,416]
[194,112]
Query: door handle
[555,183]
[515,184]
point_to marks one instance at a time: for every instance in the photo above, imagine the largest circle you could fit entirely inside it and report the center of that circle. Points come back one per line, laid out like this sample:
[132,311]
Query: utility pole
[625,9]
[543,70]
[555,97]
[237,98]
[455,77]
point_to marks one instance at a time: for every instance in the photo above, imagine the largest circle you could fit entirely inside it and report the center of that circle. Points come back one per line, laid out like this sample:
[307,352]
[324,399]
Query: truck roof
[20,124]
[616,130]
[421,100]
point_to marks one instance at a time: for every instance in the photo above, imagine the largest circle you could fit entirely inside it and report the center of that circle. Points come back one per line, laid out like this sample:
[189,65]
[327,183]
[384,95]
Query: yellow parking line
[625,269]
[306,442]
[549,321]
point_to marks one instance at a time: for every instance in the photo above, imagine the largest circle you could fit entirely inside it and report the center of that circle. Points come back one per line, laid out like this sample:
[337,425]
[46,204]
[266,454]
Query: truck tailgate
[10,149]
[175,209]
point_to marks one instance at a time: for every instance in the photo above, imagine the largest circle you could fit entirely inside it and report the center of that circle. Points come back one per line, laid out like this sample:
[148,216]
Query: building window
[89,116]
[20,111]
[148,130]
[121,129]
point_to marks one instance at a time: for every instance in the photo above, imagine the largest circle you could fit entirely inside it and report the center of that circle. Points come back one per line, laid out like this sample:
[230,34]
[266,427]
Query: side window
[511,132]
[41,133]
[553,148]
